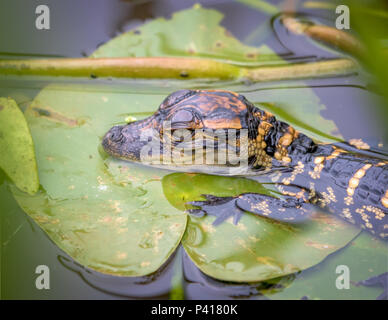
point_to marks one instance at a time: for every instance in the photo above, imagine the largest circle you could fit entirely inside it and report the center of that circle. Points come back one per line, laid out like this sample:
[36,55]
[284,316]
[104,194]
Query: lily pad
[256,248]
[194,32]
[298,106]
[17,155]
[365,257]
[105,225]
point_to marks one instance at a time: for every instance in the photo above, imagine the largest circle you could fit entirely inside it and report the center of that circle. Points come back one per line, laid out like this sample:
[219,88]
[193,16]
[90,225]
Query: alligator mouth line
[179,149]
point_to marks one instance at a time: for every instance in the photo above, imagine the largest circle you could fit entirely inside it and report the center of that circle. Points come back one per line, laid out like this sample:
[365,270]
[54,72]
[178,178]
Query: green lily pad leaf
[17,154]
[257,248]
[365,257]
[122,229]
[300,107]
[194,32]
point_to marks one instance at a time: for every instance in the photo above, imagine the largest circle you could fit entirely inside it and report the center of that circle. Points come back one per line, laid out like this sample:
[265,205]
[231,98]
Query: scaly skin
[337,179]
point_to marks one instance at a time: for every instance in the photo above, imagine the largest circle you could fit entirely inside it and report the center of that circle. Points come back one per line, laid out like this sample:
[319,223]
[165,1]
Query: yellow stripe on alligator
[354,182]
[384,200]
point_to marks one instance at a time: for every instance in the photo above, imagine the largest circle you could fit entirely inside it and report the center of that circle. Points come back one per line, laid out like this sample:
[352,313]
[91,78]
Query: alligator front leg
[289,209]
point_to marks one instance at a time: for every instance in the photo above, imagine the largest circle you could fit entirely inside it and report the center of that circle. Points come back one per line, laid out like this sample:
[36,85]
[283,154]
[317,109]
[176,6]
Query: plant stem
[173,68]
[302,70]
[152,67]
[329,35]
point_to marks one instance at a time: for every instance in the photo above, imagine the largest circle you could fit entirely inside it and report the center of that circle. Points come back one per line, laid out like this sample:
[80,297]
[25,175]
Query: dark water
[78,27]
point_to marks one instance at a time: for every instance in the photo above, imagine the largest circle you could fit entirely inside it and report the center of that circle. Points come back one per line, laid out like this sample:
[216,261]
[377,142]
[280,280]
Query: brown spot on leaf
[121,255]
[251,55]
[190,174]
[266,260]
[1,107]
[145,264]
[190,51]
[228,33]
[318,245]
[55,116]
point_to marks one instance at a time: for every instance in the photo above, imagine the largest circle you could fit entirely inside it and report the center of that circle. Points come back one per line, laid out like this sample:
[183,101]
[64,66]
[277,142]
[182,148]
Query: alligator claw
[220,207]
[197,212]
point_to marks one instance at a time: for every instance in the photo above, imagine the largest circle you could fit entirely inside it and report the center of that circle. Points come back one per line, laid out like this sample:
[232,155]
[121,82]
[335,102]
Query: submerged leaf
[256,248]
[365,257]
[17,154]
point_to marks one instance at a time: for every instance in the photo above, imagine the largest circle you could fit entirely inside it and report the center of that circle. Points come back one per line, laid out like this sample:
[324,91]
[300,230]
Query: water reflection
[154,286]
[200,286]
[345,99]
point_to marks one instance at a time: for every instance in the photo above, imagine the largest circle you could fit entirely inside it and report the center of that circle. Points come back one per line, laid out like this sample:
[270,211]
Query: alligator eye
[182,116]
[182,119]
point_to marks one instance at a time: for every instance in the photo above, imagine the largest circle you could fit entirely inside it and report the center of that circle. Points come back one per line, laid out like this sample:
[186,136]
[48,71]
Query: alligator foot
[289,209]
[221,207]
[377,281]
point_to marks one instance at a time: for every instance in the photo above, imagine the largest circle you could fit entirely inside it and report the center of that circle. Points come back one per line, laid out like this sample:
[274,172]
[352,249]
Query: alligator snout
[113,141]
[125,141]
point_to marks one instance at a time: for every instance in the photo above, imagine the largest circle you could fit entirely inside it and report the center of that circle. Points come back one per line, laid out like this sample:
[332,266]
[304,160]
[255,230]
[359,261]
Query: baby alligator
[335,177]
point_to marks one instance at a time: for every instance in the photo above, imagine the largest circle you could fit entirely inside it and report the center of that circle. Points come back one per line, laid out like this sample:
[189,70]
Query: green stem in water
[302,70]
[328,35]
[172,68]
